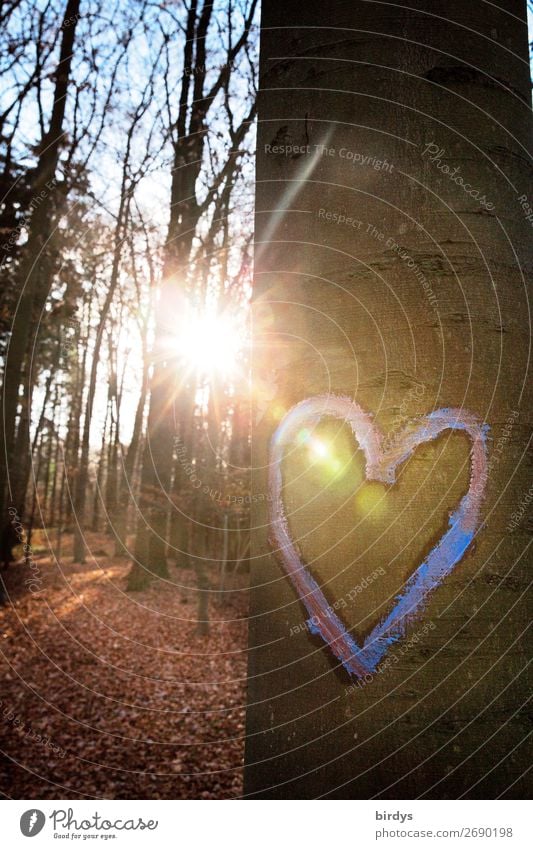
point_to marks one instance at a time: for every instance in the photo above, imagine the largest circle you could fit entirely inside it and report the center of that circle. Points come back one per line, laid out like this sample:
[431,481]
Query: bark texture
[415,300]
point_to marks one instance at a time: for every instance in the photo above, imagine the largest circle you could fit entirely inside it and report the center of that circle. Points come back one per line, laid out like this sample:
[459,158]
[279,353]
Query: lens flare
[319,450]
[209,344]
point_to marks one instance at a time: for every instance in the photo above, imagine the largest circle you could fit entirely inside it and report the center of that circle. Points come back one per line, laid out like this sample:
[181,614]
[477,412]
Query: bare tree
[171,401]
[34,277]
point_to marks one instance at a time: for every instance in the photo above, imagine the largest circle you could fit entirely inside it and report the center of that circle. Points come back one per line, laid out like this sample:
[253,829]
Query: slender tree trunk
[150,544]
[51,516]
[72,446]
[61,516]
[113,480]
[47,474]
[35,493]
[100,474]
[126,477]
[81,484]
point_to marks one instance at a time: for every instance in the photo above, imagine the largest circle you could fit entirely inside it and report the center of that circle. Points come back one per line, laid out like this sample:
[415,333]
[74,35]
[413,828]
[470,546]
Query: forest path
[110,694]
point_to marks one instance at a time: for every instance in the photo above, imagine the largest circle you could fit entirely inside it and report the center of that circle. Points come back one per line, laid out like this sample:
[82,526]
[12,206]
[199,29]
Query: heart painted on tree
[381,464]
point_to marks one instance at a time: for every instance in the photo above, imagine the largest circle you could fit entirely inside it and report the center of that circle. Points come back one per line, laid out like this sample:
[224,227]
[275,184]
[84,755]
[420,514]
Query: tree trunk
[34,282]
[150,545]
[100,474]
[126,482]
[82,478]
[396,285]
[51,515]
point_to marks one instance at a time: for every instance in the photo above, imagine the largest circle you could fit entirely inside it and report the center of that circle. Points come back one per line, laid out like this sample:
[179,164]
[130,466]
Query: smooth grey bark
[337,309]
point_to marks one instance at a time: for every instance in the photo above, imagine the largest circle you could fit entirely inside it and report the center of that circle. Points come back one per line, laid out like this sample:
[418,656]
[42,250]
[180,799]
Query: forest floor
[113,695]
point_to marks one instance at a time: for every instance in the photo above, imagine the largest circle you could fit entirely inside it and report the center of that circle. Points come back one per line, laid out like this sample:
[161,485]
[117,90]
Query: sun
[209,343]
